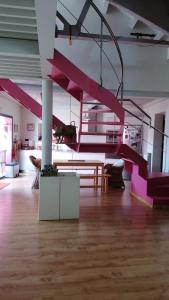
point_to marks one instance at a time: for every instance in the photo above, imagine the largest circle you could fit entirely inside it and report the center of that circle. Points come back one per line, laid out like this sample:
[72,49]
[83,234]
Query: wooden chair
[37,164]
[104,181]
[116,178]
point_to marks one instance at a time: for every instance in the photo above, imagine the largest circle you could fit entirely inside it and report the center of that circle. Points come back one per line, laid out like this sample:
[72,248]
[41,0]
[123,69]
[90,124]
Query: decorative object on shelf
[132,136]
[65,133]
[30,127]
[112,138]
[49,170]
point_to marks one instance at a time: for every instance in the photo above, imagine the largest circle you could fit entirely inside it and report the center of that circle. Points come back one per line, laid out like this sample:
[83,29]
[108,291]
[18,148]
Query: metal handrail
[120,87]
[139,108]
[159,131]
[156,129]
[116,44]
[135,116]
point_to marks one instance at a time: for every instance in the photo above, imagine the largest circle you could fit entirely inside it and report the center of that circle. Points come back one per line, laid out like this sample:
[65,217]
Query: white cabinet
[49,198]
[69,197]
[12,170]
[59,197]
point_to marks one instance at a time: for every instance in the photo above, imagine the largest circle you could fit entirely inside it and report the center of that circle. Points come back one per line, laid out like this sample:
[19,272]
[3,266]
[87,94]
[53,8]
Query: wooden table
[81,164]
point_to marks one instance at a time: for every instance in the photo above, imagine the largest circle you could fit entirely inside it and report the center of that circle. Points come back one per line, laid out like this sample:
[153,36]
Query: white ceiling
[19,51]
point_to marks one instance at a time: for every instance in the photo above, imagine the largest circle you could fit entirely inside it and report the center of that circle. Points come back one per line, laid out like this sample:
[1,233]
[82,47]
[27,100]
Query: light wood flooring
[118,250]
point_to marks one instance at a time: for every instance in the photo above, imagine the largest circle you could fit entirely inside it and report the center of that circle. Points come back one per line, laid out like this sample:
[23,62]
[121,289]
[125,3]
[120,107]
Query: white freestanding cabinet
[59,197]
[12,170]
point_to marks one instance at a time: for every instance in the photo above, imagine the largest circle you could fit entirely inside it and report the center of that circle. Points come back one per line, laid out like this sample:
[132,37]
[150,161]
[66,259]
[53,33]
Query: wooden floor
[119,250]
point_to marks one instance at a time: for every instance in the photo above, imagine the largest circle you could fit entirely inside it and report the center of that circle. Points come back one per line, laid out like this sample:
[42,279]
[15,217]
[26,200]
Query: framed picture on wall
[30,127]
[15,128]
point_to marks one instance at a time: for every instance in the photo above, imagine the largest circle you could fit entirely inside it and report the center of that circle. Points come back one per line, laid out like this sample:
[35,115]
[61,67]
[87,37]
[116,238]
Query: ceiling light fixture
[141,34]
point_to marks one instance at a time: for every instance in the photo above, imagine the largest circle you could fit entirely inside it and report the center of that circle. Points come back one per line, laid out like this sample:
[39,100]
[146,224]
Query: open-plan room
[84,150]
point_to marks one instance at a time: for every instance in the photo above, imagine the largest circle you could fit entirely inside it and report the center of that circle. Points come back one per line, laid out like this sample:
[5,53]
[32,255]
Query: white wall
[153,108]
[28,118]
[146,69]
[65,108]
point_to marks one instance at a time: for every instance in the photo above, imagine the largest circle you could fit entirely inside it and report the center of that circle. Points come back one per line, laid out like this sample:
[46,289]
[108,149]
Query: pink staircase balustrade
[81,87]
[23,98]
[82,83]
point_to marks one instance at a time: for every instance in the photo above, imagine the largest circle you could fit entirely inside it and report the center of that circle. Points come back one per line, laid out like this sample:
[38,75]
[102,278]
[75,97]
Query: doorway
[158,144]
[6,124]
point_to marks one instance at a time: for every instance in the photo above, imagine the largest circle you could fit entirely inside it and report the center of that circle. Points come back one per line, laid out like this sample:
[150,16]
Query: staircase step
[100,133]
[63,82]
[59,77]
[161,202]
[98,148]
[97,111]
[91,88]
[75,90]
[158,178]
[88,85]
[161,190]
[101,122]
[136,158]
[73,86]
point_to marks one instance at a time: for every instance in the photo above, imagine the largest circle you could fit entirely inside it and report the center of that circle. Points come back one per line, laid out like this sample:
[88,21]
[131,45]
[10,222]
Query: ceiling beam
[15,12]
[62,19]
[132,21]
[153,13]
[20,63]
[20,66]
[18,23]
[107,38]
[27,61]
[21,21]
[18,36]
[20,55]
[83,14]
[19,71]
[18,28]
[159,35]
[76,28]
[25,47]
[18,4]
[13,75]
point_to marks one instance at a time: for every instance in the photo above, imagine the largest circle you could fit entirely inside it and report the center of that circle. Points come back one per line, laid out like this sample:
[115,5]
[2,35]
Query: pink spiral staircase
[154,189]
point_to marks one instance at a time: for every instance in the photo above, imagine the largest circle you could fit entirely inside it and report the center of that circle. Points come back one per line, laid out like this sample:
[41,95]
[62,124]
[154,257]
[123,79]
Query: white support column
[47,109]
